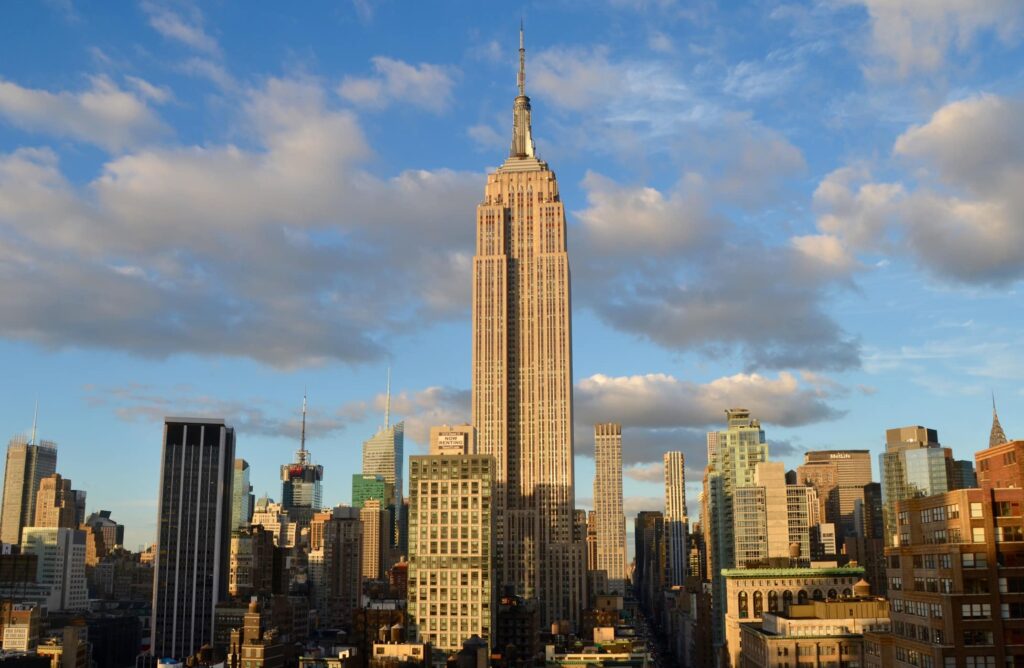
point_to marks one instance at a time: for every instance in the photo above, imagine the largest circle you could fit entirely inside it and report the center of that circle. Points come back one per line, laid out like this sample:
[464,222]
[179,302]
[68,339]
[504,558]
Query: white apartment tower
[451,547]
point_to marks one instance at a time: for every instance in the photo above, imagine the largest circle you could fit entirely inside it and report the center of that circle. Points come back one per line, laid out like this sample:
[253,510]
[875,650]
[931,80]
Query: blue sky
[812,209]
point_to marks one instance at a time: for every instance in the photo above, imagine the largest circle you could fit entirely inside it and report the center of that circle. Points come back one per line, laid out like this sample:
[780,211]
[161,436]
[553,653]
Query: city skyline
[102,398]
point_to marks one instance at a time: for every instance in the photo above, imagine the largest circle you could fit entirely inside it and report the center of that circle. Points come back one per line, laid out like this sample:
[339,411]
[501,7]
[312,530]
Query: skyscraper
[29,460]
[913,465]
[676,520]
[242,498]
[611,523]
[300,482]
[375,523]
[522,372]
[839,477]
[383,456]
[190,570]
[56,503]
[733,456]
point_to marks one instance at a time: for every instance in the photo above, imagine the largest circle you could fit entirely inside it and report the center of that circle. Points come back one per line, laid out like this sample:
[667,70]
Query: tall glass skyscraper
[733,456]
[913,465]
[28,462]
[190,570]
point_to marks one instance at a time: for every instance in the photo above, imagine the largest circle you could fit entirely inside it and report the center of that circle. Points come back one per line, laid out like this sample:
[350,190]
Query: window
[895,584]
[742,607]
[953,511]
[975,611]
[974,560]
[945,561]
[978,534]
[980,662]
[936,609]
[976,511]
[977,637]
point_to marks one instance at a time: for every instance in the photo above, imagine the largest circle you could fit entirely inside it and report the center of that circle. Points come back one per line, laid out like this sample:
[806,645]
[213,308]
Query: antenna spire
[522,133]
[522,60]
[387,402]
[302,437]
[35,419]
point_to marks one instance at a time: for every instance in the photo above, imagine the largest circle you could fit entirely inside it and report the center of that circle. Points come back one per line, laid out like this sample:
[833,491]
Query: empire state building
[522,373]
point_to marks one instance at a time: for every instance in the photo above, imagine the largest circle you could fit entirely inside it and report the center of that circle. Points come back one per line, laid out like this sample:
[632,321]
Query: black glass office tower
[190,572]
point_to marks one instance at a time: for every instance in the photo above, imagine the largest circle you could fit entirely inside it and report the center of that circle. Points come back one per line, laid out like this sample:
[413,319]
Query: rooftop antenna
[35,418]
[387,402]
[302,438]
[522,60]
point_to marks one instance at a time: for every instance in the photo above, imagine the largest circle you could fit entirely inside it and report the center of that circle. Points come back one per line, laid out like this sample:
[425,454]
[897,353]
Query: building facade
[677,523]
[28,462]
[451,549]
[453,440]
[733,455]
[242,500]
[753,592]
[913,465]
[522,373]
[190,571]
[610,522]
[374,519]
[56,503]
[838,477]
[817,633]
[956,587]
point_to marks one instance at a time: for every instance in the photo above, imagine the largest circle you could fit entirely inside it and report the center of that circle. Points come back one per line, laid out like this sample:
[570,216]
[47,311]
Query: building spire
[35,419]
[302,433]
[997,435]
[521,80]
[522,133]
[387,402]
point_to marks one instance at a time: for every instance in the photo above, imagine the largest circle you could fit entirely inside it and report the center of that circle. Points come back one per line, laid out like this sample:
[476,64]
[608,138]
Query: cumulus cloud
[424,85]
[260,252]
[917,35]
[963,219]
[637,220]
[652,472]
[104,114]
[662,401]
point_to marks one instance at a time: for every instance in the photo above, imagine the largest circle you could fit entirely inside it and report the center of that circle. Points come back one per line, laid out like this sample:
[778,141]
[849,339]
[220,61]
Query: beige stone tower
[611,523]
[522,373]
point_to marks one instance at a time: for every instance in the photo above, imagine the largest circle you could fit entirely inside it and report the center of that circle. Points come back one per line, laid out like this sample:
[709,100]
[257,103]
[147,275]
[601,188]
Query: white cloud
[259,252]
[661,401]
[917,35]
[424,85]
[964,220]
[157,94]
[652,472]
[486,137]
[689,292]
[641,220]
[187,30]
[104,114]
